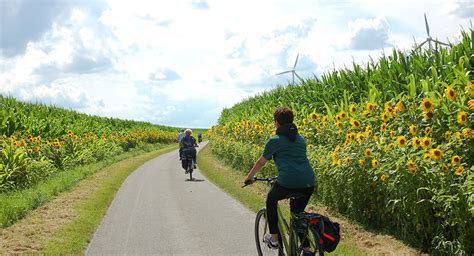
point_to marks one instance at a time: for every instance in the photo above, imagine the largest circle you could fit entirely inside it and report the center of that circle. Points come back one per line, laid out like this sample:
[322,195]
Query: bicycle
[188,164]
[301,227]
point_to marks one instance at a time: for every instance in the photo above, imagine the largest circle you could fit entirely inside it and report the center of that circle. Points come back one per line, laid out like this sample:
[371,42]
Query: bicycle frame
[290,245]
[288,237]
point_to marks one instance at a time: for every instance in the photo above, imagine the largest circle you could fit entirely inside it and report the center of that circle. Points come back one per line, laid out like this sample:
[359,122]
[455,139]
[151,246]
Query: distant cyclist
[188,146]
[199,137]
[295,174]
[180,136]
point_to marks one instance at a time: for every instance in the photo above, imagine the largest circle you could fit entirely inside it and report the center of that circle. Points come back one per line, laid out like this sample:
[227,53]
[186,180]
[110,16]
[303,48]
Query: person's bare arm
[256,167]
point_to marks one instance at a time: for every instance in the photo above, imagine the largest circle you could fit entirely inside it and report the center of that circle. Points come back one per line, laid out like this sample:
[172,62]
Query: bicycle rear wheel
[261,228]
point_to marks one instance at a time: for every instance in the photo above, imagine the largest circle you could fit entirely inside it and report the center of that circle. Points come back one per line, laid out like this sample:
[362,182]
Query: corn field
[38,140]
[391,142]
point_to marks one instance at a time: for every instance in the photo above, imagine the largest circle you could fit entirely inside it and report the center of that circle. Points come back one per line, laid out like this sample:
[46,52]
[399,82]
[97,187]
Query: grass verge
[65,225]
[16,204]
[354,241]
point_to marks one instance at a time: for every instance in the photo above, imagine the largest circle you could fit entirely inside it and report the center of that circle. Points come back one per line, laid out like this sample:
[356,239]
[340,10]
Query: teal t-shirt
[294,170]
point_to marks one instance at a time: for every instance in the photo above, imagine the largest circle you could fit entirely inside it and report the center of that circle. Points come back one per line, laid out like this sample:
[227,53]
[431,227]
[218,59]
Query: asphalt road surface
[157,211]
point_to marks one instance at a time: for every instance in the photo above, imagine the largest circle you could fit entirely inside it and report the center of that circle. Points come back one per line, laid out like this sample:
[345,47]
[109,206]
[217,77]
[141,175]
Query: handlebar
[267,179]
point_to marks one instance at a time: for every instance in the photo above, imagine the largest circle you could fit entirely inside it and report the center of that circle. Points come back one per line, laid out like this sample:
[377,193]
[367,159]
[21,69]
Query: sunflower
[30,151]
[426,156]
[355,123]
[383,127]
[469,90]
[305,121]
[467,132]
[383,178]
[470,104]
[366,113]
[339,124]
[352,136]
[447,135]
[361,162]
[388,106]
[339,162]
[338,118]
[313,116]
[392,133]
[415,142]
[375,163]
[458,135]
[436,154]
[450,93]
[368,133]
[455,160]
[370,107]
[459,170]
[462,117]
[353,109]
[428,115]
[413,129]
[444,168]
[368,152]
[426,142]
[411,165]
[348,160]
[360,137]
[400,107]
[427,105]
[343,114]
[385,116]
[389,147]
[427,130]
[401,141]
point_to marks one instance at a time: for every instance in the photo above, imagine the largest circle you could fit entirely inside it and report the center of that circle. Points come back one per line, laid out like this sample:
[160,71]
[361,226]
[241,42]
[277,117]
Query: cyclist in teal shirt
[295,175]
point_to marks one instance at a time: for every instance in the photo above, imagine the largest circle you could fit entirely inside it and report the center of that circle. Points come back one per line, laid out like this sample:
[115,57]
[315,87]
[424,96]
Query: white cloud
[369,34]
[181,62]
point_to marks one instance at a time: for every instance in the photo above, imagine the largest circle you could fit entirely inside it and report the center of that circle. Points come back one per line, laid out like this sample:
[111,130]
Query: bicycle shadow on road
[195,180]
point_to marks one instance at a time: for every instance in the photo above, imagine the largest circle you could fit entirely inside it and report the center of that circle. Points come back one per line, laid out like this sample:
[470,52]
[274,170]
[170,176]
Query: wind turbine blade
[419,46]
[427,27]
[296,61]
[298,77]
[440,42]
[284,72]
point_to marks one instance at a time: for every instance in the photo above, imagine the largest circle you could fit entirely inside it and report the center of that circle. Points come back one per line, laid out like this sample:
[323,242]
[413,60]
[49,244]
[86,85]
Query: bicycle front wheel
[261,228]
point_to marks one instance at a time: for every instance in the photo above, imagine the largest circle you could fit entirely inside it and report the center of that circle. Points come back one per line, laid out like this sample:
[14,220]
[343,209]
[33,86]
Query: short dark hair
[283,116]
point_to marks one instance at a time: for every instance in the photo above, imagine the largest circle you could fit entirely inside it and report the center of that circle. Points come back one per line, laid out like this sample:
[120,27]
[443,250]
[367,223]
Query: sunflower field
[391,142]
[38,140]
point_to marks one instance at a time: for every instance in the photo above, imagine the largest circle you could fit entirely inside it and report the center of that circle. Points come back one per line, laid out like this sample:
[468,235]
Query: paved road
[158,212]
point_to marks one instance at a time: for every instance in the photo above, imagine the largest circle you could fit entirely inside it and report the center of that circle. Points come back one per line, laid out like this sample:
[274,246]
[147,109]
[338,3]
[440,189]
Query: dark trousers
[191,152]
[296,205]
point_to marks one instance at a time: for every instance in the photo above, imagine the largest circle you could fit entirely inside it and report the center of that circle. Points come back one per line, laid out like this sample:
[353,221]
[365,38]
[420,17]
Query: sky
[180,63]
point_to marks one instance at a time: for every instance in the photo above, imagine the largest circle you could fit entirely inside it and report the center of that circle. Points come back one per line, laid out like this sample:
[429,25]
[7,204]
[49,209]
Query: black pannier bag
[326,230]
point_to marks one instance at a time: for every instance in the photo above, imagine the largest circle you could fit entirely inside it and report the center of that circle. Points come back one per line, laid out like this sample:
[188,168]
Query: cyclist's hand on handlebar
[248,181]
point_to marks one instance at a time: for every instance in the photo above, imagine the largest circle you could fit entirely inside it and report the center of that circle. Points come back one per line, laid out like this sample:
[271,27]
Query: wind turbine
[293,71]
[429,39]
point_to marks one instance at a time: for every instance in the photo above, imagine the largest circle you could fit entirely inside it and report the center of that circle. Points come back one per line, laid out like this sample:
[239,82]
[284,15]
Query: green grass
[16,204]
[74,236]
[253,197]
